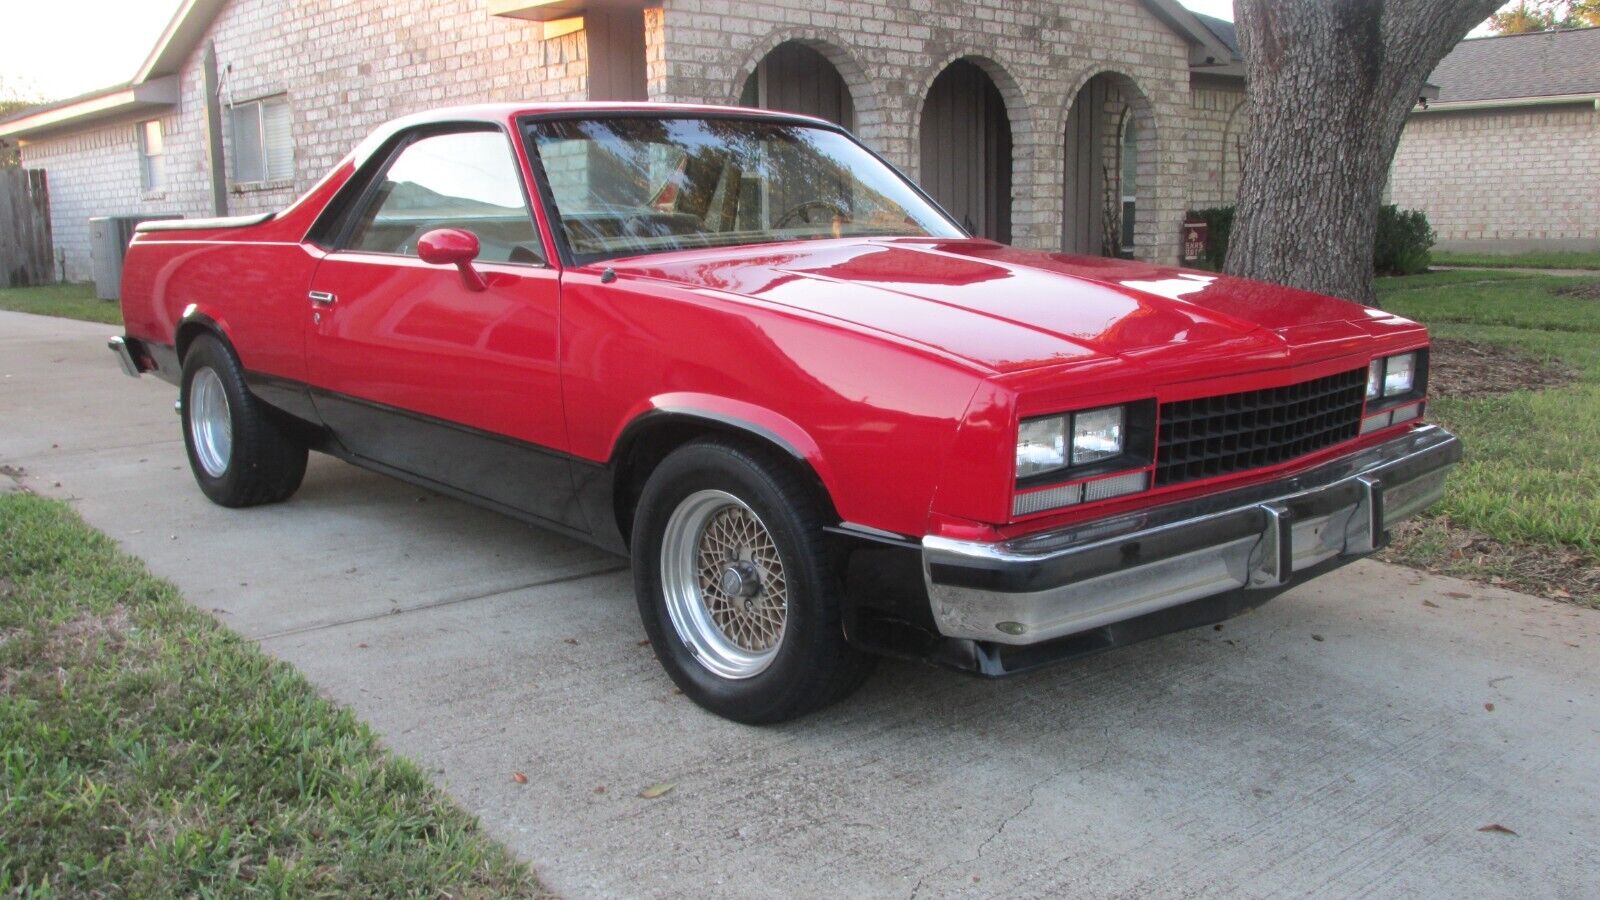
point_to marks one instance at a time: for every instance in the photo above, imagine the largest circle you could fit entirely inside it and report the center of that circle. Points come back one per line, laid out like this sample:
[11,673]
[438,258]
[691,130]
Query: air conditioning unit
[108,243]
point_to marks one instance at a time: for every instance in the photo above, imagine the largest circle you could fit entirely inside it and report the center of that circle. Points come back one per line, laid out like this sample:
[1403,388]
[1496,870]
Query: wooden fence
[26,254]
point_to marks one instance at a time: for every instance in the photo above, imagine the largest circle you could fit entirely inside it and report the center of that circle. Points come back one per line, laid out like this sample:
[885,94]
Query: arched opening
[1110,169]
[966,149]
[796,78]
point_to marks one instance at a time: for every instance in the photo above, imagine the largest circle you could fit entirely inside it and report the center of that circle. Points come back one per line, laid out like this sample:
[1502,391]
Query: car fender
[196,319]
[739,415]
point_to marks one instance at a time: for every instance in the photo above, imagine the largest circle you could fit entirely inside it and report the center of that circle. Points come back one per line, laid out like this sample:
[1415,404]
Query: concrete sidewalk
[1338,741]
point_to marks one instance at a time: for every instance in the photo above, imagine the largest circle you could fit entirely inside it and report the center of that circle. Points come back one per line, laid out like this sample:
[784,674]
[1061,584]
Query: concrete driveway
[1338,741]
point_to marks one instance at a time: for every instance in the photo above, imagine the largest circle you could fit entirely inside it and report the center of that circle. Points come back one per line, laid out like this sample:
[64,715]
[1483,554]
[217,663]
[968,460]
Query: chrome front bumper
[1063,582]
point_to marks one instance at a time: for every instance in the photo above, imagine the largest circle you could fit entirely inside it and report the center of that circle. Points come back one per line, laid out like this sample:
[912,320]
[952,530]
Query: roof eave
[1204,46]
[182,34]
[150,98]
[1226,70]
[555,10]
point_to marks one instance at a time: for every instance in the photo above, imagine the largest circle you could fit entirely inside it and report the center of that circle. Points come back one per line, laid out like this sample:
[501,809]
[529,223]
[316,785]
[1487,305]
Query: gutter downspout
[214,156]
[1444,106]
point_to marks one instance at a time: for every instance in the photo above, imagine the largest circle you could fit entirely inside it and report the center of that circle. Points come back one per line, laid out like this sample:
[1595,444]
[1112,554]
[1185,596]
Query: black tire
[265,464]
[813,665]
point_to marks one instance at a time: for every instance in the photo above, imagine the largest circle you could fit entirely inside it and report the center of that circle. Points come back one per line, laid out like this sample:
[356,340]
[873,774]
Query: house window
[263,150]
[152,156]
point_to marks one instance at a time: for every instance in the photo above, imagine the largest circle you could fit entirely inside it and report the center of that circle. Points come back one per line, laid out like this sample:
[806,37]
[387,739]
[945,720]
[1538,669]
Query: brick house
[1507,158]
[1089,125]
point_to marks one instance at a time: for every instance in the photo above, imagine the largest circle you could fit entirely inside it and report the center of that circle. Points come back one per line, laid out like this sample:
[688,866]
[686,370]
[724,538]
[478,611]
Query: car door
[450,376]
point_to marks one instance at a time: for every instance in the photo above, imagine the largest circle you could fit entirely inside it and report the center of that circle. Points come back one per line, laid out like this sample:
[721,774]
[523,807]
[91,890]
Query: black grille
[1234,432]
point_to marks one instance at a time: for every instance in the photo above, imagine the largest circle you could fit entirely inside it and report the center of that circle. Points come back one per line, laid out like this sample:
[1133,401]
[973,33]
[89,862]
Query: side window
[466,180]
[152,156]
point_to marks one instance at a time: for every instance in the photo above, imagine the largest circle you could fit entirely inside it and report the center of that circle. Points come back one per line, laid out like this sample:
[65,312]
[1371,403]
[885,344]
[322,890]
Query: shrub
[1404,239]
[1219,223]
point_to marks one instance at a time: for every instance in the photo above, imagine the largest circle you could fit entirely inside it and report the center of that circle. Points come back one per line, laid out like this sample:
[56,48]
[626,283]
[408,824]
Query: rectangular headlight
[1084,456]
[1041,445]
[1076,439]
[1096,435]
[1399,374]
[1392,376]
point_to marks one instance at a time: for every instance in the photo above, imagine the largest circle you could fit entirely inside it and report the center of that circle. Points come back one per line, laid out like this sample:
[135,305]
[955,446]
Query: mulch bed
[1583,290]
[1555,573]
[1463,370]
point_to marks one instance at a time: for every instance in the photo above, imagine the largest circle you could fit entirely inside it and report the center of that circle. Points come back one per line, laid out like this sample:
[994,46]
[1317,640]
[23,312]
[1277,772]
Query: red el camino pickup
[824,421]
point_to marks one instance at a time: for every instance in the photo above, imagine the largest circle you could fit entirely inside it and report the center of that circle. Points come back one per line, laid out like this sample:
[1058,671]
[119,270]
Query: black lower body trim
[508,473]
[478,500]
[525,481]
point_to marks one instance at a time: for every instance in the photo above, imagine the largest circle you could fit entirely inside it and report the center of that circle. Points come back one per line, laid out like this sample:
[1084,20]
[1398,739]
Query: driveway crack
[1033,797]
[438,604]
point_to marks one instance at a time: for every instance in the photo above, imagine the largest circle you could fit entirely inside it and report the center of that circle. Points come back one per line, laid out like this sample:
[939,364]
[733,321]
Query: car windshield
[630,185]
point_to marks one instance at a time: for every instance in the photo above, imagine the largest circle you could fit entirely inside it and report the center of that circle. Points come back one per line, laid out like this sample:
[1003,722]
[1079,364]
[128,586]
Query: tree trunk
[1329,83]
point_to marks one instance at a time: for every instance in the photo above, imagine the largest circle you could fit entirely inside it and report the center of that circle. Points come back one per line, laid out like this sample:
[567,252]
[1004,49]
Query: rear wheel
[239,453]
[736,586]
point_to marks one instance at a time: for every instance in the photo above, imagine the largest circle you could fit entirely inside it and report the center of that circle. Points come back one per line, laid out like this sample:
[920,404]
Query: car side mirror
[453,247]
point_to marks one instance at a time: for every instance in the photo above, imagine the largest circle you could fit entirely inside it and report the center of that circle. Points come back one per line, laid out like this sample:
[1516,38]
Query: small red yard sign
[1194,240]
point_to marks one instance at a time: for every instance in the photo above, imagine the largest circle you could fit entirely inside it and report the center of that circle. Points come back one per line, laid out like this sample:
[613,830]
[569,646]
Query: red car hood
[1009,309]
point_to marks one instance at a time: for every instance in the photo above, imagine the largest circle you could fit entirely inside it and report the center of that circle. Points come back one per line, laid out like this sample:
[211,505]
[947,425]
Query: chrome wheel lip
[682,546]
[210,422]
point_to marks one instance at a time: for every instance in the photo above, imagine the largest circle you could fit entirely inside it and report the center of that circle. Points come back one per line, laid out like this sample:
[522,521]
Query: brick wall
[348,65]
[1039,53]
[1218,125]
[92,173]
[1505,180]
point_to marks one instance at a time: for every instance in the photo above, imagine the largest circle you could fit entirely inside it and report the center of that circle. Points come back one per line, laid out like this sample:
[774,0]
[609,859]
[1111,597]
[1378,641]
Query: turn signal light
[1391,417]
[1065,495]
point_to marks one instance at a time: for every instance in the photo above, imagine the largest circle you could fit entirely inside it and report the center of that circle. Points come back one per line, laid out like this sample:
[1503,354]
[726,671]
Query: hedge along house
[1506,158]
[1089,125]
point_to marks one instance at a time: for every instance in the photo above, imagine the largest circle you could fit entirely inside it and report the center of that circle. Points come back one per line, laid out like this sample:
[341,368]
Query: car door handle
[322,298]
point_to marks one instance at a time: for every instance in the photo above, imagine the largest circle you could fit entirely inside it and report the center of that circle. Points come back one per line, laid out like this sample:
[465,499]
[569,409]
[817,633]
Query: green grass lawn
[1531,478]
[147,751]
[69,301]
[1520,260]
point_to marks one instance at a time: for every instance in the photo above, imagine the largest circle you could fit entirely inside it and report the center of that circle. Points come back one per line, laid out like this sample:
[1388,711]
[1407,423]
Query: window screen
[247,162]
[263,145]
[279,144]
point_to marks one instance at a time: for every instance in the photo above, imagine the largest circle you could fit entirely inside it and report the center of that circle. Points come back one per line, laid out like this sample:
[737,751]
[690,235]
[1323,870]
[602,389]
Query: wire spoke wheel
[210,422]
[726,591]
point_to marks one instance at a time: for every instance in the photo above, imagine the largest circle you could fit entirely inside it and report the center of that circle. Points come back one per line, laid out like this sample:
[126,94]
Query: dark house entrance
[1108,150]
[966,150]
[796,78]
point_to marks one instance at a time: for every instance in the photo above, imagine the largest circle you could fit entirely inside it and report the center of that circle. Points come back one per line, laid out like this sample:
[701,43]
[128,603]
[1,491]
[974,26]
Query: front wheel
[239,453]
[736,586]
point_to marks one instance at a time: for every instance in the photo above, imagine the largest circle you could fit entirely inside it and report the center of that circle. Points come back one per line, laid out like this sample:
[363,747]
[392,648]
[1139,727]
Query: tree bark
[1329,83]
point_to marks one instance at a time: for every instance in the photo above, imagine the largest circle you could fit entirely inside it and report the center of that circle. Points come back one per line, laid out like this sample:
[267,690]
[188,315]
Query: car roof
[502,113]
